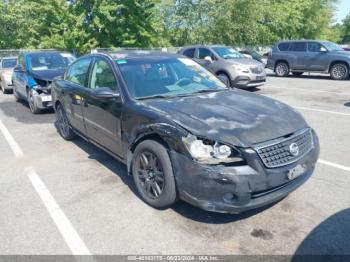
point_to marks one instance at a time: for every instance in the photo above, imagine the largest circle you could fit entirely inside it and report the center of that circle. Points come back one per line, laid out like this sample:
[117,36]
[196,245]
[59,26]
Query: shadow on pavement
[199,215]
[21,112]
[347,104]
[331,237]
[181,207]
[304,76]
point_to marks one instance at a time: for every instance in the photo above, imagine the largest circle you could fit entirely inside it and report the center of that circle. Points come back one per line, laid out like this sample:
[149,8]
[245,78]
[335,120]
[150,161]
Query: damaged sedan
[182,134]
[33,76]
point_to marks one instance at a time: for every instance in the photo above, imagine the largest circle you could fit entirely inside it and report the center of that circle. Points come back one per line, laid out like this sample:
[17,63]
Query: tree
[346,30]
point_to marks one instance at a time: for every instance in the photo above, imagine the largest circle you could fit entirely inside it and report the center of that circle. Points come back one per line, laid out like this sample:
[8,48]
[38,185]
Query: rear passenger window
[78,72]
[298,47]
[283,46]
[204,52]
[189,52]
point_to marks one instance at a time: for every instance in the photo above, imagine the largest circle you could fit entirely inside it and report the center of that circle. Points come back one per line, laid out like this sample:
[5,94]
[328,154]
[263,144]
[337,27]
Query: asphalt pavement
[59,197]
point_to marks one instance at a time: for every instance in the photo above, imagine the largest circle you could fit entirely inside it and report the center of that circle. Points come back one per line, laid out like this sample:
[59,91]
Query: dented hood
[47,75]
[234,117]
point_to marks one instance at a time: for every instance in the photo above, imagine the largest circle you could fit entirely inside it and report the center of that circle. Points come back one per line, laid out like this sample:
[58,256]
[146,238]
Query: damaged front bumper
[234,189]
[42,98]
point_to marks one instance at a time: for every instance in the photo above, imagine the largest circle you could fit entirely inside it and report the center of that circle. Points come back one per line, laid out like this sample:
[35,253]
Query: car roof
[8,57]
[41,52]
[136,54]
[304,40]
[197,46]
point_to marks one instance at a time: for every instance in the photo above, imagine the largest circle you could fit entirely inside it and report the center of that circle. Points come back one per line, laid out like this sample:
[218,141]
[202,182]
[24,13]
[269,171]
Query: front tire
[16,95]
[339,71]
[32,105]
[153,174]
[225,79]
[63,125]
[282,69]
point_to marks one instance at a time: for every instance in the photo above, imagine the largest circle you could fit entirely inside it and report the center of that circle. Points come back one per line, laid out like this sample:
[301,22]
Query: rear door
[202,54]
[20,77]
[75,88]
[317,57]
[298,51]
[102,115]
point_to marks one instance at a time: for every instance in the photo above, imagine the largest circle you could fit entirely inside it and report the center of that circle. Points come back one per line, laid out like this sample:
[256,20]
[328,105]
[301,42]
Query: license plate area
[260,78]
[46,98]
[296,172]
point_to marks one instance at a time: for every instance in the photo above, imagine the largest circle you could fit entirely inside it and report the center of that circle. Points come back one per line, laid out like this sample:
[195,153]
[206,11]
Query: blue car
[34,74]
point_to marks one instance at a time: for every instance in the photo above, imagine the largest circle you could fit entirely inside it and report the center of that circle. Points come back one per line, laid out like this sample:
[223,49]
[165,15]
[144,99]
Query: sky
[343,10]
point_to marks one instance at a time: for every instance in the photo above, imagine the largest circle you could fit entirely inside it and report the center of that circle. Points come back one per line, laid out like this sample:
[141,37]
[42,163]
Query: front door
[102,115]
[76,87]
[317,57]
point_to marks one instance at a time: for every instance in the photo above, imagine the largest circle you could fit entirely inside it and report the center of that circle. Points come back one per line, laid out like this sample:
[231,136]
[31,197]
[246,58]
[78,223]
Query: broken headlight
[209,152]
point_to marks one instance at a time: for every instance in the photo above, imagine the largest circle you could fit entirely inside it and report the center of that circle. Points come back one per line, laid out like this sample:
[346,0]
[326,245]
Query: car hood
[47,75]
[243,61]
[233,117]
[343,53]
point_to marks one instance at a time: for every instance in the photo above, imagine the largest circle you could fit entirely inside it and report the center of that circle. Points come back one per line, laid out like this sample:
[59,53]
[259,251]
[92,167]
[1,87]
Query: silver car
[7,64]
[229,65]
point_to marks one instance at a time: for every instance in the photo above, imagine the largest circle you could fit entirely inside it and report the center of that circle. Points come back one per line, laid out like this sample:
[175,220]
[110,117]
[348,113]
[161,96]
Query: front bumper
[43,100]
[7,85]
[234,189]
[249,80]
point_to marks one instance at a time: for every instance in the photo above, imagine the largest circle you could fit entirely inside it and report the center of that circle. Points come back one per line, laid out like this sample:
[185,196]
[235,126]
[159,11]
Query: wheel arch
[280,61]
[338,62]
[165,134]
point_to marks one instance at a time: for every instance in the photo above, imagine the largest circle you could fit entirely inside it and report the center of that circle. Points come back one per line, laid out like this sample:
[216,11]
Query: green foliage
[85,24]
[346,30]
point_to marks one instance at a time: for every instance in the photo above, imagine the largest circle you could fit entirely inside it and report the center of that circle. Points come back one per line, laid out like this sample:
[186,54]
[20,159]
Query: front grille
[256,70]
[278,153]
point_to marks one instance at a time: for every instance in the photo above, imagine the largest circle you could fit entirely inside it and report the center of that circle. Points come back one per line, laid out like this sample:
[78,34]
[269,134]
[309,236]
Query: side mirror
[18,68]
[104,93]
[323,50]
[208,58]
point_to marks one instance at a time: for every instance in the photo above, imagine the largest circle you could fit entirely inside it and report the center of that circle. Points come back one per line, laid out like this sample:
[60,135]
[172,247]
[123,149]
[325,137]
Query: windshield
[9,63]
[47,61]
[227,52]
[332,46]
[69,58]
[148,77]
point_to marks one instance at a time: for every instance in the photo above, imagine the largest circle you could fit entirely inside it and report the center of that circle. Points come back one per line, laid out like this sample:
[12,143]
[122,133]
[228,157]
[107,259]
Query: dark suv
[309,56]
[182,133]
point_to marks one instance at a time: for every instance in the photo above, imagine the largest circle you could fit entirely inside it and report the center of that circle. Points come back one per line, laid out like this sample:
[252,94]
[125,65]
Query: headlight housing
[209,152]
[242,68]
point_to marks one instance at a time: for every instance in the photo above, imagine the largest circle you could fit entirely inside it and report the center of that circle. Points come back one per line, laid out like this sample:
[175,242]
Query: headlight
[211,152]
[8,78]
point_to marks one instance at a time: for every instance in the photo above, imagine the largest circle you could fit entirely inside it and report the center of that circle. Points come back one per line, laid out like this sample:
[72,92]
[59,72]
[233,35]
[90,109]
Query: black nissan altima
[182,134]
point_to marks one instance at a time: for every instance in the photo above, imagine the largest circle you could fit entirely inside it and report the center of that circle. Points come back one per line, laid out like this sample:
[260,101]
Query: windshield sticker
[188,62]
[120,62]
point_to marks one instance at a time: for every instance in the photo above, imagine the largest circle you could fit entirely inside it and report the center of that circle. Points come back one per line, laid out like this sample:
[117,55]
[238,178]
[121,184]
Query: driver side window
[103,76]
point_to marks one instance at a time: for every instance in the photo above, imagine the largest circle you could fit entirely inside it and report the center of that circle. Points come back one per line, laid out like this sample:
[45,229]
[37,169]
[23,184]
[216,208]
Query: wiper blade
[208,91]
[155,96]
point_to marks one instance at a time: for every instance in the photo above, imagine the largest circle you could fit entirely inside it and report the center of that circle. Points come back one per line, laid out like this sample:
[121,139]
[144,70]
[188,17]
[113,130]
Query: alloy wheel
[282,69]
[62,122]
[150,175]
[339,71]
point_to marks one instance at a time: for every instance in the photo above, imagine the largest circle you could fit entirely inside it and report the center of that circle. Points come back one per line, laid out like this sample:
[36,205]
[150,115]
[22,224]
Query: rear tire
[339,71]
[297,73]
[62,124]
[282,69]
[153,174]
